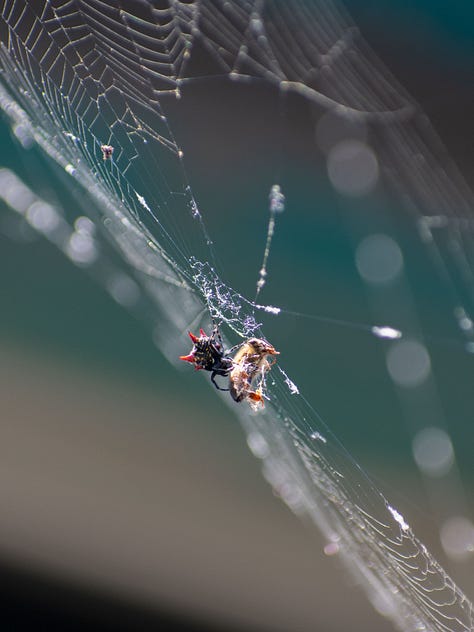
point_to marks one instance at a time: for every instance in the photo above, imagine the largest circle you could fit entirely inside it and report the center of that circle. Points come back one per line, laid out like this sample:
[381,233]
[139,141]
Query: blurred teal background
[123,475]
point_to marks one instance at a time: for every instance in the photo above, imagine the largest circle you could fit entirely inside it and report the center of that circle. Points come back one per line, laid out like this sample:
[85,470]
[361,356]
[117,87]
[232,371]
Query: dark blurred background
[129,500]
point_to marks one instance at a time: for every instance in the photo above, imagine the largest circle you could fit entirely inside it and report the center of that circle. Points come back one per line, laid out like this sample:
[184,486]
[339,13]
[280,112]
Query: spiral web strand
[77,76]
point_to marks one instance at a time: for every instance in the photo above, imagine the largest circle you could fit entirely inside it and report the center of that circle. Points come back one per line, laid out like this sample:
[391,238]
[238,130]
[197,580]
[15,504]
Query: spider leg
[213,380]
[232,349]
[216,333]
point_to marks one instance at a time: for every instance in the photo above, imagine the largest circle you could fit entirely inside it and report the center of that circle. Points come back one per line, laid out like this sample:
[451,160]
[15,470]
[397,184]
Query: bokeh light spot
[457,537]
[408,363]
[352,168]
[433,451]
[379,259]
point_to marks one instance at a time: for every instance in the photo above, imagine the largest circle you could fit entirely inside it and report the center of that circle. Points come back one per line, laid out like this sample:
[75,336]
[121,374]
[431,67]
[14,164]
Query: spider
[208,354]
[251,358]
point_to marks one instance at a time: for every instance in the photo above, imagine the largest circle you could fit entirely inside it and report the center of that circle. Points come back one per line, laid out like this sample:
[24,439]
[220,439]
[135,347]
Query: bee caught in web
[249,364]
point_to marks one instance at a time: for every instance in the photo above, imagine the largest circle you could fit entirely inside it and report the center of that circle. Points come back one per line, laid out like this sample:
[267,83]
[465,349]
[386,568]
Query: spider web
[79,75]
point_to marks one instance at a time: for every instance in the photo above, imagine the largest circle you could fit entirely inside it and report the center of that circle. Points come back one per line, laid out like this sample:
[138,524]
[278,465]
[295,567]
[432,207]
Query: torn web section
[225,305]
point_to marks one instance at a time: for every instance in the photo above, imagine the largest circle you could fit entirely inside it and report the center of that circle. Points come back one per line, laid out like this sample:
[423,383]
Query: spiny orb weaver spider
[249,361]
